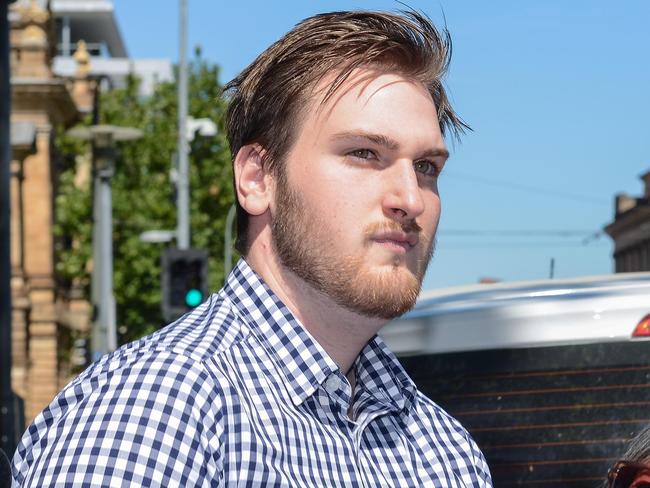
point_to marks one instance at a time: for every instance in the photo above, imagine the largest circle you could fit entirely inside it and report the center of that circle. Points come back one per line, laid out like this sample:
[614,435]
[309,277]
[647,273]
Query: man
[279,379]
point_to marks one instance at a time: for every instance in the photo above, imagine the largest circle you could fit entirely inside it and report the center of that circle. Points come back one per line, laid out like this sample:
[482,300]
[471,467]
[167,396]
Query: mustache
[409,227]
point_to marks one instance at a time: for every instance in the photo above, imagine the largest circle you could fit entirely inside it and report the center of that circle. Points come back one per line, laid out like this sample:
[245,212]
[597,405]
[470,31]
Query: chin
[385,293]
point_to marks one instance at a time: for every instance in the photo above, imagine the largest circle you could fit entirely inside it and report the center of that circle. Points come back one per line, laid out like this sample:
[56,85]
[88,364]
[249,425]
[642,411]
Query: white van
[552,377]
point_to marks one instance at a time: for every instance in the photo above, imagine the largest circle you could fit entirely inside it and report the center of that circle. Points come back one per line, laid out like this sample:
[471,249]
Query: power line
[526,188]
[508,244]
[520,232]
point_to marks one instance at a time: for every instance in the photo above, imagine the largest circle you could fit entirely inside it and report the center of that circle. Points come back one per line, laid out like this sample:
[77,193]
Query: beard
[307,246]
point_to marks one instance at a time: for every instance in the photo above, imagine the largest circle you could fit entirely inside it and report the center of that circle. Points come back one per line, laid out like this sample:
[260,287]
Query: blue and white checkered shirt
[237,393]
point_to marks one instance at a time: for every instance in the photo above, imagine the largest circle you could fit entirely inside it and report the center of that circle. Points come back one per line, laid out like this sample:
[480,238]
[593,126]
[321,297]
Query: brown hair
[267,98]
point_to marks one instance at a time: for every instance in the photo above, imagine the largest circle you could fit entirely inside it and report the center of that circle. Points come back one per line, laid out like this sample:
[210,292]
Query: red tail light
[643,327]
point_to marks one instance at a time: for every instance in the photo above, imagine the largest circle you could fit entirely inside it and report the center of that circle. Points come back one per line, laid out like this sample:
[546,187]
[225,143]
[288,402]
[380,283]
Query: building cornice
[52,96]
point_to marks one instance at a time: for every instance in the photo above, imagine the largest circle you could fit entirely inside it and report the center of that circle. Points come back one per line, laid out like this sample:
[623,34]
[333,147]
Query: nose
[403,199]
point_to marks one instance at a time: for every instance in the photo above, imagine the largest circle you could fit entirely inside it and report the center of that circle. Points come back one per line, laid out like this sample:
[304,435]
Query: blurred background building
[62,52]
[631,230]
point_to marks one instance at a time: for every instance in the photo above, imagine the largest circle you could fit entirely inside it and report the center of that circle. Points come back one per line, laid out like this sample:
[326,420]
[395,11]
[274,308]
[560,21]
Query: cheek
[342,216]
[343,224]
[432,212]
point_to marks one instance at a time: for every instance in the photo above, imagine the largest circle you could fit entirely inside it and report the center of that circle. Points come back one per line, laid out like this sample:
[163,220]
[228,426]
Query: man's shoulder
[122,408]
[447,432]
[177,352]
[426,407]
[453,443]
[206,331]
[430,414]
[169,385]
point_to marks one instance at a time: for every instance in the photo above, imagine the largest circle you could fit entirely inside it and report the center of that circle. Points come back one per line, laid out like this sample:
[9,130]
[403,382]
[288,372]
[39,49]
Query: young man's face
[357,211]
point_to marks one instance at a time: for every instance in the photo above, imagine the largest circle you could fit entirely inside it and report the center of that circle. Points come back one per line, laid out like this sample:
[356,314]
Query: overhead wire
[517,232]
[587,237]
[508,244]
[526,188]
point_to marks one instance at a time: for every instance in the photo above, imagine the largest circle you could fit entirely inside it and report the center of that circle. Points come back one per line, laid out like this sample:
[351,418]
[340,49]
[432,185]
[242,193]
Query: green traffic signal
[183,281]
[193,297]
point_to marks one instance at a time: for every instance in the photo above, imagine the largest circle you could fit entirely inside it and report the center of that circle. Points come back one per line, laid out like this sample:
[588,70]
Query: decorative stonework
[35,20]
[83,87]
[30,41]
[19,290]
[82,57]
[41,311]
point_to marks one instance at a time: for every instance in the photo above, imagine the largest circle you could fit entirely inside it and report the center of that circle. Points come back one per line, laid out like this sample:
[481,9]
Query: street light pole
[104,330]
[106,340]
[182,189]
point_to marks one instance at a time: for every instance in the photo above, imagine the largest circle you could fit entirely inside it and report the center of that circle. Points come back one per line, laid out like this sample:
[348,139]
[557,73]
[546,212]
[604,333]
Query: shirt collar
[380,374]
[298,356]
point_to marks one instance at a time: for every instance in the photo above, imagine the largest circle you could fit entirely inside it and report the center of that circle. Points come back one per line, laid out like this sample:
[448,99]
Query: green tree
[143,195]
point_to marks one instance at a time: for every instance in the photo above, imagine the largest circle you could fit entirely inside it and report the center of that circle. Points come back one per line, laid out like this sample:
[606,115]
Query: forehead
[373,101]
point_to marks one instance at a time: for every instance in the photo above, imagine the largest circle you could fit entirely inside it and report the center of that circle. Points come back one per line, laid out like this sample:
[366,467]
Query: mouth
[399,242]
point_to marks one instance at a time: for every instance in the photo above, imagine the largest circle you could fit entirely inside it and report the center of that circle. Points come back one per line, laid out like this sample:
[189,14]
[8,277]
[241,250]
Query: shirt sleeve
[145,421]
[480,465]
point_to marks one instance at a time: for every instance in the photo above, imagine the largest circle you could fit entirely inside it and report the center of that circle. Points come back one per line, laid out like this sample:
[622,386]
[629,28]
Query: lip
[396,239]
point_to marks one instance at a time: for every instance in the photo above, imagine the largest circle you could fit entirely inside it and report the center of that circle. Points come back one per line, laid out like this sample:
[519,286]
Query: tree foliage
[143,195]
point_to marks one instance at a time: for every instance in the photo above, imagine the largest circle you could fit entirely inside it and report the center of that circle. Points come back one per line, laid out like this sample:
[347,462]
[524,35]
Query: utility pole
[182,189]
[104,167]
[104,328]
[8,411]
[97,341]
[551,273]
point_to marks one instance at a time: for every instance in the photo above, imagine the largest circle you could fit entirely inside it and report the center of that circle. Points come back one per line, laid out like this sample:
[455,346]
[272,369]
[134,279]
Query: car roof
[523,314]
[483,294]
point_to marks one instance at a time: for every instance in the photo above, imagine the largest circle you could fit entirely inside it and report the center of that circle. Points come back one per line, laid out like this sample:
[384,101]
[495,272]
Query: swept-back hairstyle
[268,98]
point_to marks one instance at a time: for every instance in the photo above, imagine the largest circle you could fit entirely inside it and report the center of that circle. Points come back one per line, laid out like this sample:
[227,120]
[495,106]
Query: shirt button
[331,383]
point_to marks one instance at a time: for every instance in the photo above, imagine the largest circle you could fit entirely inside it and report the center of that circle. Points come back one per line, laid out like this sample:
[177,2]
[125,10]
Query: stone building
[60,49]
[631,230]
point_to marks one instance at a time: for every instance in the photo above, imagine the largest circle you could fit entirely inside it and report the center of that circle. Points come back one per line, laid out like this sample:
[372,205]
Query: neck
[340,332]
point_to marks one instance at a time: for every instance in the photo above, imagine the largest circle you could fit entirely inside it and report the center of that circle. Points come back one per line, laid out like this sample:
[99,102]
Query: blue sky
[557,93]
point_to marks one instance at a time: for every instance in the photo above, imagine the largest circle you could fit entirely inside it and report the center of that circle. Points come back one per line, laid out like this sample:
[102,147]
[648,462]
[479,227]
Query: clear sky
[558,95]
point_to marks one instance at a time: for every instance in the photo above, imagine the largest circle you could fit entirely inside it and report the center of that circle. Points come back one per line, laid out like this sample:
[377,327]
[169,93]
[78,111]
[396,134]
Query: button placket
[332,383]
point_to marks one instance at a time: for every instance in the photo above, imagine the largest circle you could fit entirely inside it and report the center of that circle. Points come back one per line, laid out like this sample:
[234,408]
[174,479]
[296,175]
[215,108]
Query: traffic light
[184,281]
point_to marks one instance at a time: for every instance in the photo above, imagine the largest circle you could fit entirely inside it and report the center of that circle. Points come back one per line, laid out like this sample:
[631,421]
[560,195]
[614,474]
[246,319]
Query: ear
[253,184]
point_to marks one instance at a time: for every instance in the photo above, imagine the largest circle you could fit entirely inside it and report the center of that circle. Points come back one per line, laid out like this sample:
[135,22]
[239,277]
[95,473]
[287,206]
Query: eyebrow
[386,142]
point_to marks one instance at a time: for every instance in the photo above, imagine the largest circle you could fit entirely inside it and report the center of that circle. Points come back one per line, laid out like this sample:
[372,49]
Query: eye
[362,154]
[426,167]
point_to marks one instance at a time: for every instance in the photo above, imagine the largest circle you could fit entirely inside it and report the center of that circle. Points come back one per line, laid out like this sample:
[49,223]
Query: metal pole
[98,337]
[104,138]
[552,271]
[183,206]
[108,299]
[105,164]
[7,400]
